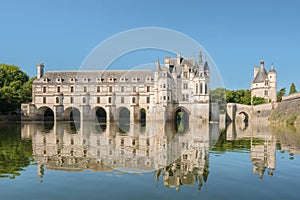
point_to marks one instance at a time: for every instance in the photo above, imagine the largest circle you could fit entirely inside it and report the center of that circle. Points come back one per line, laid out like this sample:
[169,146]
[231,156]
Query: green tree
[219,96]
[292,89]
[258,100]
[15,88]
[280,94]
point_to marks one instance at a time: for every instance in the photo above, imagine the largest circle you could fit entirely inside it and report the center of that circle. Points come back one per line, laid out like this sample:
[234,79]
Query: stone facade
[264,83]
[177,85]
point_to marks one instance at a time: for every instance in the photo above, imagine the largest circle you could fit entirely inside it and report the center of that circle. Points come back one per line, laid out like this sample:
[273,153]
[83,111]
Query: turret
[40,70]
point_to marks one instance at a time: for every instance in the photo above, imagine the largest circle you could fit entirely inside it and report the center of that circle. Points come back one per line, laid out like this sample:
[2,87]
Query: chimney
[262,64]
[40,70]
[178,58]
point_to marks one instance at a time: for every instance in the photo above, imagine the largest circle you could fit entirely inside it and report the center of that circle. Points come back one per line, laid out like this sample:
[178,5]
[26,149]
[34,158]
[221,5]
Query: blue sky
[237,34]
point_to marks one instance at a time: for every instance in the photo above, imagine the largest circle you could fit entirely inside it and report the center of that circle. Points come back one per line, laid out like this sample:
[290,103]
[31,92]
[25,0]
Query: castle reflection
[175,157]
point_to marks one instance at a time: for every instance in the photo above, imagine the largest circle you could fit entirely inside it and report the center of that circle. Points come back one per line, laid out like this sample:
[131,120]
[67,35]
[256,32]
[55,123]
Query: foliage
[15,88]
[15,154]
[292,89]
[258,100]
[280,94]
[222,96]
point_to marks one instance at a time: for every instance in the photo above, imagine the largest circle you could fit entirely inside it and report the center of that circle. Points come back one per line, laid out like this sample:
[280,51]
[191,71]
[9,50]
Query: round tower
[272,75]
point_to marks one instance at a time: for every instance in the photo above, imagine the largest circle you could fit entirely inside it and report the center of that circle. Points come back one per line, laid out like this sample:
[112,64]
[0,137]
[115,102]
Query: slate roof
[261,75]
[93,76]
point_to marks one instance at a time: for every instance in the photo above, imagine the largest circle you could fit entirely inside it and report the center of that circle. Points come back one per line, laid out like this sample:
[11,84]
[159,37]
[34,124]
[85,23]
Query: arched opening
[101,115]
[245,117]
[124,120]
[181,120]
[143,116]
[74,114]
[46,113]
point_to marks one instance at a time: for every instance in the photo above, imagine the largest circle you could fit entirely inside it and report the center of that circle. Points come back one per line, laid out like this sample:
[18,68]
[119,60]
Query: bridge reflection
[175,157]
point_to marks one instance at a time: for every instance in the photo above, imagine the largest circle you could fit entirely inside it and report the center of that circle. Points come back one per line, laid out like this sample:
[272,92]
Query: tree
[280,94]
[258,100]
[293,89]
[15,88]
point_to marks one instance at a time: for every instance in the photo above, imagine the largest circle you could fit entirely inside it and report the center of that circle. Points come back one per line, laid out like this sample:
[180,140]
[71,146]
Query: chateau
[264,83]
[177,88]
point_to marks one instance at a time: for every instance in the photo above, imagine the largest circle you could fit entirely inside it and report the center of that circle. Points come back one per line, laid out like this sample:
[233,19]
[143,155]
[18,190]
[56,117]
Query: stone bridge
[245,113]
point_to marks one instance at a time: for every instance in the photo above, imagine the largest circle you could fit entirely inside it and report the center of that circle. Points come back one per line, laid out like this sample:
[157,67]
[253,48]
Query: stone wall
[287,112]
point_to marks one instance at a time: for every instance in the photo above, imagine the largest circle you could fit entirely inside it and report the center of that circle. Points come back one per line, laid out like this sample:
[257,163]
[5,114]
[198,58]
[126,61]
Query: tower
[272,75]
[40,70]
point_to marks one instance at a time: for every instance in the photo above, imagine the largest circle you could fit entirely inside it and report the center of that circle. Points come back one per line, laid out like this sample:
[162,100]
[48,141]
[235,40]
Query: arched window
[57,99]
[133,99]
[206,92]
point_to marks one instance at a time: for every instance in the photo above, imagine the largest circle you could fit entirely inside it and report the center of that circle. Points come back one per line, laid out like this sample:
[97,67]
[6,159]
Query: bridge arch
[101,114]
[181,117]
[244,116]
[123,119]
[71,114]
[45,113]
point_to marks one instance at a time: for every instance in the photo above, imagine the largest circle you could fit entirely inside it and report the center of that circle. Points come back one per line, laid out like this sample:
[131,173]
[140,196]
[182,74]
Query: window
[164,97]
[148,100]
[133,99]
[134,89]
[109,99]
[148,142]
[44,89]
[44,100]
[196,88]
[110,89]
[185,97]
[266,83]
[83,100]
[266,93]
[57,99]
[58,89]
[122,88]
[185,86]
[84,89]
[72,89]
[206,89]
[185,74]
[164,85]
[71,100]
[133,142]
[98,99]
[98,88]
[201,88]
[148,88]
[122,99]
[122,142]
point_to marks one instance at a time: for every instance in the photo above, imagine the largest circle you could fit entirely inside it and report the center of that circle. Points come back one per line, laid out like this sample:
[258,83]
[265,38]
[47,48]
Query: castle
[264,83]
[178,88]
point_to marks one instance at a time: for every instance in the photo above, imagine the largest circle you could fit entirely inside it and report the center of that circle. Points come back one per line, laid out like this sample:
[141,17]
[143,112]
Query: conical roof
[261,75]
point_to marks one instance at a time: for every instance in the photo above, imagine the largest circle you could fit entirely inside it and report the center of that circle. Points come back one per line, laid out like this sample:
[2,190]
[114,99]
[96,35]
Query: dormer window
[134,79]
[58,80]
[72,80]
[122,79]
[111,79]
[98,80]
[45,80]
[85,80]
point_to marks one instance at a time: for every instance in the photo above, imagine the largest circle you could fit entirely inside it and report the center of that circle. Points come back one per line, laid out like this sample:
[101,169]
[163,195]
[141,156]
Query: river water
[153,161]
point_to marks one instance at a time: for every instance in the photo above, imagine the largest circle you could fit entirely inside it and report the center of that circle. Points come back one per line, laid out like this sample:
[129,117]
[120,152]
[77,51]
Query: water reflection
[175,158]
